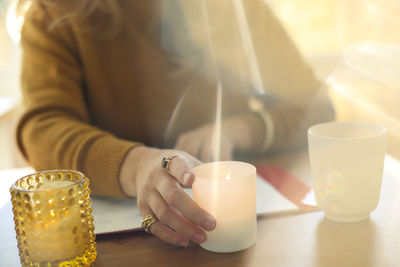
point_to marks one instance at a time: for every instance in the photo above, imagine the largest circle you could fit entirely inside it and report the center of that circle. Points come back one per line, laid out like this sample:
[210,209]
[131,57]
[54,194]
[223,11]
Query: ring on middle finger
[147,222]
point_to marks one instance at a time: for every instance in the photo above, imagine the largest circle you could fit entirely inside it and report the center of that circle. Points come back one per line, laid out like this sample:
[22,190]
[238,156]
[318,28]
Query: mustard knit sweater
[88,101]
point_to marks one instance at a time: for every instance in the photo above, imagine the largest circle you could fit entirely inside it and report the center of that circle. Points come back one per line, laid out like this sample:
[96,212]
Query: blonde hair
[81,9]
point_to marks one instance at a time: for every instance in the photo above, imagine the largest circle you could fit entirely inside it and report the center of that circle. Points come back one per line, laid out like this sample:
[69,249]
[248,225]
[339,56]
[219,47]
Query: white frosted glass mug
[347,160]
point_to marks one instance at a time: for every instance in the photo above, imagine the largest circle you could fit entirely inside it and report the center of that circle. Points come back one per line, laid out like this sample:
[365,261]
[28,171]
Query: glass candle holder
[53,219]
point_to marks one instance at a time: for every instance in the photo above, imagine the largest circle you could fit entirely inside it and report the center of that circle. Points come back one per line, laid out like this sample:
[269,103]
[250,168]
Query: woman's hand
[180,219]
[242,133]
[207,143]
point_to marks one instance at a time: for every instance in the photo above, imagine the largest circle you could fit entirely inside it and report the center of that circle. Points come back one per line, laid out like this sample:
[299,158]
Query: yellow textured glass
[53,219]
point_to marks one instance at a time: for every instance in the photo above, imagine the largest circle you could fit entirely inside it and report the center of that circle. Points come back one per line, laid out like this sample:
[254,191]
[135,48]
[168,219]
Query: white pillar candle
[227,190]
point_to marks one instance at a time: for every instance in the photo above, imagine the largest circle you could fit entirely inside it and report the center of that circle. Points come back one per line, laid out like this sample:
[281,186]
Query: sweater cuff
[103,164]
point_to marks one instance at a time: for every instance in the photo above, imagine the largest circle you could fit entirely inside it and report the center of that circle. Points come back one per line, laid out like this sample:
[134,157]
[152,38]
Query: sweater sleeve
[54,131]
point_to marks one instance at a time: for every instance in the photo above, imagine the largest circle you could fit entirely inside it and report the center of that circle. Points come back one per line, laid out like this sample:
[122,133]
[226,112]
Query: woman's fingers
[181,170]
[170,217]
[162,231]
[180,219]
[174,195]
[168,235]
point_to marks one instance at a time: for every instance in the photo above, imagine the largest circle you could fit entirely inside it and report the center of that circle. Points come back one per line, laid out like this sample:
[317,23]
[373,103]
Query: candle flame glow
[228,177]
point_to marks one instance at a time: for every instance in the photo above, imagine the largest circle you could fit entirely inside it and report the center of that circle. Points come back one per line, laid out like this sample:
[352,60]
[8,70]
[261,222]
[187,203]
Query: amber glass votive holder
[53,219]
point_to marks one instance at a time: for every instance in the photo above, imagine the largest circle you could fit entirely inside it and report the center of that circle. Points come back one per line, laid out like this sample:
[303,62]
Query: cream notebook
[117,215]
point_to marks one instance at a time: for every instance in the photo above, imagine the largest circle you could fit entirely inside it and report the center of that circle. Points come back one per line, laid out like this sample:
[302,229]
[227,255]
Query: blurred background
[353,47]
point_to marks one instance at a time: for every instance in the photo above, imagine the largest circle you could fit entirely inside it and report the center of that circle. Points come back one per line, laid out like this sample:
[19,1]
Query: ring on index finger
[166,162]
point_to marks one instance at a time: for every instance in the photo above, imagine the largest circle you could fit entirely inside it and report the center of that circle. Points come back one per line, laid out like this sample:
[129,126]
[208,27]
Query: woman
[106,93]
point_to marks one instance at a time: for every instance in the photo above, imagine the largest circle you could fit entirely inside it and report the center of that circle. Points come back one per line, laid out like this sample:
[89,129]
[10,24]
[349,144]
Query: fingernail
[183,243]
[199,238]
[186,178]
[209,224]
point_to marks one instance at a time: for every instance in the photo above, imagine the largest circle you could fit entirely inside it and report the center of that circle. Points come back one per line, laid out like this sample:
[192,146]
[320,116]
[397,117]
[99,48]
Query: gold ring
[147,222]
[166,162]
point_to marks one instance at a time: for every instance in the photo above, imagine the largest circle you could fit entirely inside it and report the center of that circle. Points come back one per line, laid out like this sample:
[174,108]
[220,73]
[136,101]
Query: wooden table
[283,240]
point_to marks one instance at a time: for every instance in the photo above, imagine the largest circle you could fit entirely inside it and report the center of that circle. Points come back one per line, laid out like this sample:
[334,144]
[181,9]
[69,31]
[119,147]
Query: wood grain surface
[286,239]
